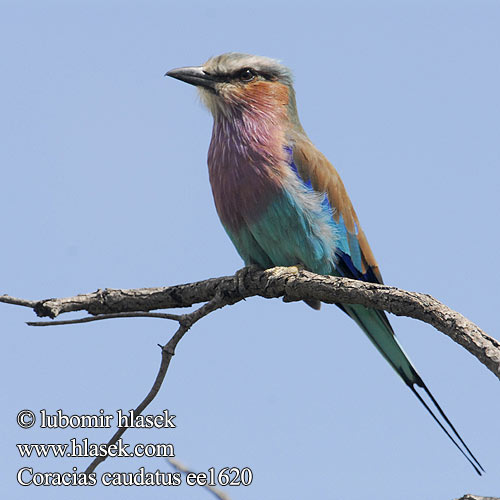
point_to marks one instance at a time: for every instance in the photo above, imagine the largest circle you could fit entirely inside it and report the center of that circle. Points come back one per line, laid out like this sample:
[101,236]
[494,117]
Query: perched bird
[282,203]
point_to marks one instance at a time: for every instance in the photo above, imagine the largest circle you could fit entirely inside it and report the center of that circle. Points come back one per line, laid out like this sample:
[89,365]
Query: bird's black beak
[193,75]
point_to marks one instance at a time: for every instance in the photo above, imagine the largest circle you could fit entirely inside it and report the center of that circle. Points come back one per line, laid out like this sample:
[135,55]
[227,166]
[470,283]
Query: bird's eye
[246,75]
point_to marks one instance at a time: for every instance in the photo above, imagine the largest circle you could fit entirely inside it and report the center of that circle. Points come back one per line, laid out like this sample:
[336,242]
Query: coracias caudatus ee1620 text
[282,203]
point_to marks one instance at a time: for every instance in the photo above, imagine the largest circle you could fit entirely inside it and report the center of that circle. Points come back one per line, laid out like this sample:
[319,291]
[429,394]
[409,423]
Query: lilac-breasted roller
[282,203]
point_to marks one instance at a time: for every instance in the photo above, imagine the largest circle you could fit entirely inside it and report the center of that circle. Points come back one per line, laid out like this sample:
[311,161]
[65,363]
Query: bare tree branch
[290,283]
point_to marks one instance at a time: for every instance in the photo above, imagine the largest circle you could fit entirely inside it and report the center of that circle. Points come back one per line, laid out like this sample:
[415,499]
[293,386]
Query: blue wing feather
[348,252]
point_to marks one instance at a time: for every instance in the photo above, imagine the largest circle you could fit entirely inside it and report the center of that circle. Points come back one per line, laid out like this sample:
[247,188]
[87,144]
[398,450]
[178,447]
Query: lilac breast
[244,162]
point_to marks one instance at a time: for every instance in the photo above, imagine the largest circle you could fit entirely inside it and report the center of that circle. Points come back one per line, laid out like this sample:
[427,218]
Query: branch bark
[290,283]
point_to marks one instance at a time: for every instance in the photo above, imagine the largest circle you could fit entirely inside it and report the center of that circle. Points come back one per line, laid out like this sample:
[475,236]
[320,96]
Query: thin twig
[166,356]
[7,299]
[167,351]
[221,495]
[89,319]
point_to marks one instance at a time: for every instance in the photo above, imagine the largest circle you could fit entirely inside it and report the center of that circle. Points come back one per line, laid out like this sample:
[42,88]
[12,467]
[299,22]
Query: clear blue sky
[104,184]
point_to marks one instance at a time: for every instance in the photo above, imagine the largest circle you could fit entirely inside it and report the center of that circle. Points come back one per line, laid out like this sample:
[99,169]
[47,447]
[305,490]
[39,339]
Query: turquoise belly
[291,230]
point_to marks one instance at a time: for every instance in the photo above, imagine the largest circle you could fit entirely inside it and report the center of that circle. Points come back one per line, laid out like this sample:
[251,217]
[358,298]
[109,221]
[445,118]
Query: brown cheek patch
[265,94]
[274,90]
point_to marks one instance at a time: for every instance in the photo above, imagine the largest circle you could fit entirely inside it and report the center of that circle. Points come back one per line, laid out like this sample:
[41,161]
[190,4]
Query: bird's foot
[297,269]
[280,270]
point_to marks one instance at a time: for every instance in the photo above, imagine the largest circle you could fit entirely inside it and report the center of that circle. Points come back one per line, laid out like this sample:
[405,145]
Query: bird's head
[236,83]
